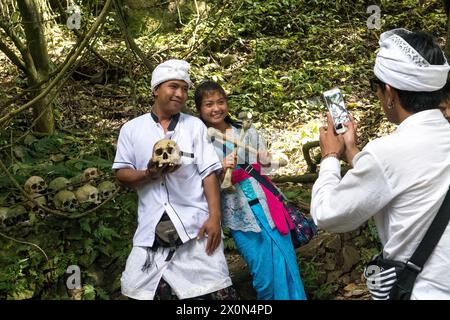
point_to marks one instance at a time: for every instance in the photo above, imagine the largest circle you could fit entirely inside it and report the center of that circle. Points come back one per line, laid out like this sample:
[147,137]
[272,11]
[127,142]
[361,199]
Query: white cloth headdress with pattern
[402,67]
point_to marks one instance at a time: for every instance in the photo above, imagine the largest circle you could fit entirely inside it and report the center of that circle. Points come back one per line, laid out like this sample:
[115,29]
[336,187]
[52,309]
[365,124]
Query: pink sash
[277,210]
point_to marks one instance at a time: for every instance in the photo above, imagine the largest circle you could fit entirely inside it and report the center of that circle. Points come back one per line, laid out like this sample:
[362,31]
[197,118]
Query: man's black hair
[446,91]
[427,47]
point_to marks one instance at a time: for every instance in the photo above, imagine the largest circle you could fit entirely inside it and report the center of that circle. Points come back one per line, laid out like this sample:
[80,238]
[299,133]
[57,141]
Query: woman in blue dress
[255,226]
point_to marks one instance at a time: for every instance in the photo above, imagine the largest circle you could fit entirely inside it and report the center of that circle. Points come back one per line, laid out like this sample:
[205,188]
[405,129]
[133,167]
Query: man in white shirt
[401,179]
[192,265]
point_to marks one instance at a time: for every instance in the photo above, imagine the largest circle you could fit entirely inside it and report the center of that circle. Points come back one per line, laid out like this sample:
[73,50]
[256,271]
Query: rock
[355,276]
[334,243]
[350,287]
[330,261]
[345,279]
[360,241]
[321,278]
[227,60]
[346,236]
[76,294]
[333,276]
[358,292]
[354,290]
[351,257]
[312,249]
[241,277]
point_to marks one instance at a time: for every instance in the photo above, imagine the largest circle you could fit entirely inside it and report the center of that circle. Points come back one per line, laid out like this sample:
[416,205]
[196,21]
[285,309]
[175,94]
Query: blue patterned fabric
[270,257]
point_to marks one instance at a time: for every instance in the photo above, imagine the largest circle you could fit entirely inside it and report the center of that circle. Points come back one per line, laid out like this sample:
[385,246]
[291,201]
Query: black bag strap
[432,236]
[263,181]
[407,277]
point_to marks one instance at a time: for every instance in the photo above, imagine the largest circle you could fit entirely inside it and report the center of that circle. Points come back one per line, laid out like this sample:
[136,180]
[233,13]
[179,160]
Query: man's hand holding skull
[154,171]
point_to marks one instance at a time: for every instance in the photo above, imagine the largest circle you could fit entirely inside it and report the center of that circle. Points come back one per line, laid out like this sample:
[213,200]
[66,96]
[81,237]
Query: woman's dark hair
[427,47]
[207,87]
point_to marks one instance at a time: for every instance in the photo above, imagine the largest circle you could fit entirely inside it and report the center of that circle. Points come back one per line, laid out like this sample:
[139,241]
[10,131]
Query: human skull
[34,205]
[58,184]
[90,174]
[166,151]
[106,188]
[3,215]
[87,194]
[11,216]
[35,184]
[65,201]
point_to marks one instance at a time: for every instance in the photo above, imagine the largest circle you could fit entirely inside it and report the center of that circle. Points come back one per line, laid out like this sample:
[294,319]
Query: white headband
[170,70]
[401,66]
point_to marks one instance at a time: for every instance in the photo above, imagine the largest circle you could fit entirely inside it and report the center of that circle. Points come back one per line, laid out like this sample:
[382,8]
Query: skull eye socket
[92,196]
[170,150]
[106,194]
[34,186]
[42,183]
[159,152]
[66,203]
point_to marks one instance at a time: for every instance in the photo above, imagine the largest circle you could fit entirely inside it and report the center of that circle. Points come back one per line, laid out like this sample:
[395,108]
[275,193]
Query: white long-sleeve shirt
[401,180]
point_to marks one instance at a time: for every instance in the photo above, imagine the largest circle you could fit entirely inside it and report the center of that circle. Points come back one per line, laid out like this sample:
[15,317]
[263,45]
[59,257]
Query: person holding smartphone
[255,218]
[400,179]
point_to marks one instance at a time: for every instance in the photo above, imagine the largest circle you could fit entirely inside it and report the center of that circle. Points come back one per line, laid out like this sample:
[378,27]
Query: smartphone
[335,104]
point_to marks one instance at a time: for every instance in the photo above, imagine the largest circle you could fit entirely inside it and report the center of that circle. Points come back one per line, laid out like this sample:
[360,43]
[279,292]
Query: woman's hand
[264,158]
[230,161]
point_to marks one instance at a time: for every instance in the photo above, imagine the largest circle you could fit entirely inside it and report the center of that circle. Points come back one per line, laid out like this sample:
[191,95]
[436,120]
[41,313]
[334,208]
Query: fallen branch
[304,178]
[312,165]
[25,242]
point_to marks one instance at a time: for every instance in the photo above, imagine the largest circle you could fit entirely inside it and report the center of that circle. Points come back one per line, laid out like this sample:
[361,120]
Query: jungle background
[72,72]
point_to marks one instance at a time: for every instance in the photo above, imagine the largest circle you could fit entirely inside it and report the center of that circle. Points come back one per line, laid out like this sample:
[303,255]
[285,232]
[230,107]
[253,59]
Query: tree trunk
[37,47]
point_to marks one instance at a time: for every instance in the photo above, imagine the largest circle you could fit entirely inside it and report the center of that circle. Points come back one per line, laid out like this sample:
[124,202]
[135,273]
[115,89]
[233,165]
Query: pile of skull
[61,194]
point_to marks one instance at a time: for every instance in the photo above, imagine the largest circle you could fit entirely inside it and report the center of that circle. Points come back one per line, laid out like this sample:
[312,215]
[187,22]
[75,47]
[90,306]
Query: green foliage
[311,272]
[298,194]
[228,242]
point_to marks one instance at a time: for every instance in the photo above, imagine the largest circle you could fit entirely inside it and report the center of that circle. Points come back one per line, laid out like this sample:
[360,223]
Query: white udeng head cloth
[171,70]
[401,66]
